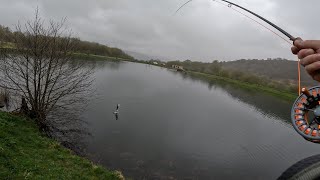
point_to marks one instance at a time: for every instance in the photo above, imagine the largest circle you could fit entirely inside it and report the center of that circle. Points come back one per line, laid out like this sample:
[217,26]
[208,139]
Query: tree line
[238,72]
[7,38]
[275,69]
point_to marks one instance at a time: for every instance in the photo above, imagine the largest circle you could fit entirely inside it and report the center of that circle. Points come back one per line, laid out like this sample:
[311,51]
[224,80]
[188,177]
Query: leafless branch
[40,69]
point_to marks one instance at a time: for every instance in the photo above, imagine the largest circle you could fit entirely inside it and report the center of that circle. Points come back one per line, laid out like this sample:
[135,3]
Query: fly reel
[305,114]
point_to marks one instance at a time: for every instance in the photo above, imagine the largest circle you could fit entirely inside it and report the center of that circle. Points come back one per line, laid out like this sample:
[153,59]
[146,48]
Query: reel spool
[305,114]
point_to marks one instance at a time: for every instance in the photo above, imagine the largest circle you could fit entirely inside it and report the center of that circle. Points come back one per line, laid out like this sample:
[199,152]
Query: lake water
[172,126]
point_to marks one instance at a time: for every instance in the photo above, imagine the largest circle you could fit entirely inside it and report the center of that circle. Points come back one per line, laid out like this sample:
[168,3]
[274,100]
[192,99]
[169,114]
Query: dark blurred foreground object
[305,169]
[4,99]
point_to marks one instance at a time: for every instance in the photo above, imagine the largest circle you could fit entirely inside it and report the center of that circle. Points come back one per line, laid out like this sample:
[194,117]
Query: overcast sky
[203,30]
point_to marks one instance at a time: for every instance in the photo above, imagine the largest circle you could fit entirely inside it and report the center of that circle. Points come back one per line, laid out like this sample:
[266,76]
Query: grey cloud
[203,30]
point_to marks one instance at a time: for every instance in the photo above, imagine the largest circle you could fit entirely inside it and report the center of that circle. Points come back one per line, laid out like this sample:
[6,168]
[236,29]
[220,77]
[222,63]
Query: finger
[297,40]
[305,52]
[313,69]
[295,50]
[310,59]
[307,44]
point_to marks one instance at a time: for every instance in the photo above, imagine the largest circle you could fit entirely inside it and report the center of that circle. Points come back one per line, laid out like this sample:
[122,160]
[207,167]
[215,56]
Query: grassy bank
[7,45]
[282,94]
[96,57]
[26,154]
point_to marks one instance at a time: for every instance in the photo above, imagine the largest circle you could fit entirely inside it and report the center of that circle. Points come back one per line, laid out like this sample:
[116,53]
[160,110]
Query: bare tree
[41,71]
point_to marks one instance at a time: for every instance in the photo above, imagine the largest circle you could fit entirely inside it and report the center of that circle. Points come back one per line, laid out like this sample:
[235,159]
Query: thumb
[307,44]
[298,42]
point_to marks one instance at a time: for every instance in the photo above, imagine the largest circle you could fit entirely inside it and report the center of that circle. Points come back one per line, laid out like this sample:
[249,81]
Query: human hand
[308,52]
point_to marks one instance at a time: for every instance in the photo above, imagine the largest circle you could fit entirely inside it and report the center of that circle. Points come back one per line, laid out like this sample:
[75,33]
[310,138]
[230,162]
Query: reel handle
[306,92]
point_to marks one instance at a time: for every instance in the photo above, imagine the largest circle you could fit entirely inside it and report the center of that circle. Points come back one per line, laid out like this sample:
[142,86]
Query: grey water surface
[173,126]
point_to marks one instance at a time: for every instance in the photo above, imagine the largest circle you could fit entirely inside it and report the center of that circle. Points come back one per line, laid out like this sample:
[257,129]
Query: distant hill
[280,74]
[276,69]
[141,56]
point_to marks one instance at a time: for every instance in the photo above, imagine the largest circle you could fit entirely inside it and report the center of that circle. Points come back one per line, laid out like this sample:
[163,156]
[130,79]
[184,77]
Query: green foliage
[276,69]
[83,56]
[99,49]
[282,94]
[5,34]
[26,154]
[247,71]
[7,40]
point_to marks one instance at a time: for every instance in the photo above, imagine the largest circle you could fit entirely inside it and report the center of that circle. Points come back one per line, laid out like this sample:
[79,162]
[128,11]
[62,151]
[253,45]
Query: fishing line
[269,29]
[182,6]
[305,112]
[262,18]
[259,23]
[230,4]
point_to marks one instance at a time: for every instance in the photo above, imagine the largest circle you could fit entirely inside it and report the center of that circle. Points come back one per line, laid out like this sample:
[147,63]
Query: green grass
[96,57]
[281,94]
[7,45]
[27,154]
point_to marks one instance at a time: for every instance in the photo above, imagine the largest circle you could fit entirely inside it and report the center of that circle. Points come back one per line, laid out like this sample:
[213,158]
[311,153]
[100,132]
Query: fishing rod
[264,19]
[305,112]
[292,38]
[182,6]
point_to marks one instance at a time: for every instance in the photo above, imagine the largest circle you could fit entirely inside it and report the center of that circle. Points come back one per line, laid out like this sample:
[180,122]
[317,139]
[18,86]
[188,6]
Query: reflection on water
[116,115]
[98,65]
[254,98]
[173,126]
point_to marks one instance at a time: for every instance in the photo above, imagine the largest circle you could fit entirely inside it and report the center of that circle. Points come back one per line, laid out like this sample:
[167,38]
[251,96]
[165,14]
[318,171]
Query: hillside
[144,57]
[9,37]
[276,69]
[279,74]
